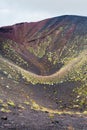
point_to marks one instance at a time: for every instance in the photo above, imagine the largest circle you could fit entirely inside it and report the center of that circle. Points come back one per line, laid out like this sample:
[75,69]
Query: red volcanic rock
[22,31]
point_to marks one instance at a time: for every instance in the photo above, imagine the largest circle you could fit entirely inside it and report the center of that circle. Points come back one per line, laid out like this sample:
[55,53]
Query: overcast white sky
[15,11]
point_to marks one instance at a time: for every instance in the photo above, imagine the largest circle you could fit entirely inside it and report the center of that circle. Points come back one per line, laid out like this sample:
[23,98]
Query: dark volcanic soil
[34,120]
[30,119]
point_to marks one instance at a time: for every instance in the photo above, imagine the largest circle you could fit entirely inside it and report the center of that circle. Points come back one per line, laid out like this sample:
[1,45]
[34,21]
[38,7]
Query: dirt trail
[34,78]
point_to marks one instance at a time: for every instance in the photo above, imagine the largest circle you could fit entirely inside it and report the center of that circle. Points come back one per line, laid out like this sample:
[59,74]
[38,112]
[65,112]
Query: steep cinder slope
[44,45]
[49,52]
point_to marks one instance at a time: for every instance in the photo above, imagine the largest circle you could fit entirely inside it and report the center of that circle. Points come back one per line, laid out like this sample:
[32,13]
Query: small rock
[5,72]
[9,76]
[2,78]
[4,118]
[6,125]
[55,122]
[46,112]
[7,86]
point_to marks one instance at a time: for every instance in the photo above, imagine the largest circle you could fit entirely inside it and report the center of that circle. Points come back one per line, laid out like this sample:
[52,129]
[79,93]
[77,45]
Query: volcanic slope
[50,56]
